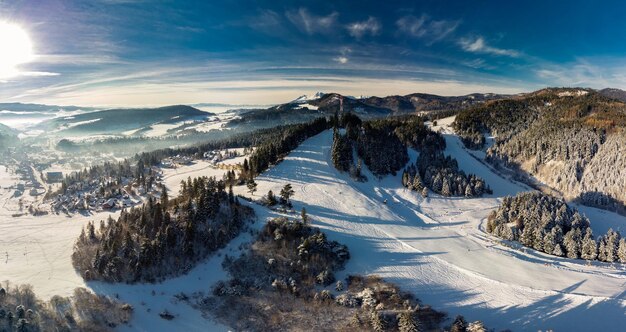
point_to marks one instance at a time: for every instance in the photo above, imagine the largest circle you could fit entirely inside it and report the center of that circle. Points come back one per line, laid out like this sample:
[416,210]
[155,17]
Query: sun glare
[16,47]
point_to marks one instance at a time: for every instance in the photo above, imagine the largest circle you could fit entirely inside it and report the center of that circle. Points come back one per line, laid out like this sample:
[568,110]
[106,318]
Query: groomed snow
[437,249]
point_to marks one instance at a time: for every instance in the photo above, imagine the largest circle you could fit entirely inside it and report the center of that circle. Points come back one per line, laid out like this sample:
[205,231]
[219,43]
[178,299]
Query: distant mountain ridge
[613,93]
[123,119]
[26,107]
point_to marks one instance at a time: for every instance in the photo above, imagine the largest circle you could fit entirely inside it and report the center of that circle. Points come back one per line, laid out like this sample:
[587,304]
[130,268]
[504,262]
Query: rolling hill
[115,121]
[573,140]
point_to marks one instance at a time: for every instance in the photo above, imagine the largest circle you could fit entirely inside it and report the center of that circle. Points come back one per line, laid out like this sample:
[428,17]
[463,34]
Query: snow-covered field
[435,248]
[173,176]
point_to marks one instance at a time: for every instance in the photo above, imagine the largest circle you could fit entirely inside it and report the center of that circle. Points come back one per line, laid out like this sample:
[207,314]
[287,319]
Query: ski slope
[436,247]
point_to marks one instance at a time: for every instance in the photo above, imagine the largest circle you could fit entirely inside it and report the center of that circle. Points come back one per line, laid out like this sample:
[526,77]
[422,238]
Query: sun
[17,49]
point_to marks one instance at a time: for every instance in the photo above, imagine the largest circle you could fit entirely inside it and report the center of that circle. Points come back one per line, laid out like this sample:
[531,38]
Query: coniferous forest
[161,238]
[572,140]
[547,224]
[442,175]
[383,143]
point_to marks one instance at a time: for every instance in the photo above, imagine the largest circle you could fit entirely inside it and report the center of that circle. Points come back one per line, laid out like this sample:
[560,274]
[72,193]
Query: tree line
[442,175]
[547,224]
[163,237]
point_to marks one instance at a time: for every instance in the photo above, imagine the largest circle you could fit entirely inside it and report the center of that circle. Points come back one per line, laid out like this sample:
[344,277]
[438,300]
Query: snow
[160,129]
[37,251]
[307,105]
[216,123]
[306,98]
[577,93]
[173,176]
[78,123]
[437,249]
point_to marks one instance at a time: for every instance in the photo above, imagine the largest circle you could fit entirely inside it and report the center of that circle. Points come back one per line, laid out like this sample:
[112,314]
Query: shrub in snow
[325,278]
[347,300]
[367,297]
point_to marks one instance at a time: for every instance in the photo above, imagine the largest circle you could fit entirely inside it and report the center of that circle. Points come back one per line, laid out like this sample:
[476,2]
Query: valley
[435,247]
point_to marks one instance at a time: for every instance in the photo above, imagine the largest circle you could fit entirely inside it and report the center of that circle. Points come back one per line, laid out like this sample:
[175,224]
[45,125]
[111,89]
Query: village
[110,194]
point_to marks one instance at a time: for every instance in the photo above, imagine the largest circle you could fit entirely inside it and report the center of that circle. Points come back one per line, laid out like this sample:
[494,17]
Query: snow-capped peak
[305,98]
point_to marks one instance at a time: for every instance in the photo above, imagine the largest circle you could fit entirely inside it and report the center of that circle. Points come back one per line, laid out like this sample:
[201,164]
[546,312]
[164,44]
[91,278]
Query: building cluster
[106,193]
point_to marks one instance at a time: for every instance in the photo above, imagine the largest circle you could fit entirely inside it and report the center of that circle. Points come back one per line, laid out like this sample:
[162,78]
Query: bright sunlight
[17,49]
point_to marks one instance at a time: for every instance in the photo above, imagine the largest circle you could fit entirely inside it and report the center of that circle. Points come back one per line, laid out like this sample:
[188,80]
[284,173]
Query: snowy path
[435,247]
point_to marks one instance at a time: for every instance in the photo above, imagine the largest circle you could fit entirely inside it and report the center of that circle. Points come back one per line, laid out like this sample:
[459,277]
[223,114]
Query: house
[53,177]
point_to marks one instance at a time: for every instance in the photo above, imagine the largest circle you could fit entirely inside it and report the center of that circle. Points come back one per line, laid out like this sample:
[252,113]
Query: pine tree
[425,192]
[590,247]
[164,199]
[407,322]
[445,188]
[417,183]
[528,236]
[549,243]
[621,250]
[286,193]
[612,244]
[602,248]
[245,169]
[271,199]
[468,191]
[572,243]
[459,324]
[539,235]
[252,185]
[558,250]
[377,322]
[305,217]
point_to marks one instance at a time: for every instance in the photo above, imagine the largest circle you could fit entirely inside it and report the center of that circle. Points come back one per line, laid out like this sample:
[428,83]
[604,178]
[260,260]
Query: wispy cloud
[312,24]
[39,73]
[370,26]
[266,18]
[343,58]
[479,45]
[426,28]
[596,73]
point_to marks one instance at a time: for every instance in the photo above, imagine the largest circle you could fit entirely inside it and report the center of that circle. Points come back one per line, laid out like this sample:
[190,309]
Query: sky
[143,53]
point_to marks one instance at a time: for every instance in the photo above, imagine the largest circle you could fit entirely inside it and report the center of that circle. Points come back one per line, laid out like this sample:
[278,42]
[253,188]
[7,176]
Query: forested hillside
[547,224]
[570,139]
[382,144]
[161,238]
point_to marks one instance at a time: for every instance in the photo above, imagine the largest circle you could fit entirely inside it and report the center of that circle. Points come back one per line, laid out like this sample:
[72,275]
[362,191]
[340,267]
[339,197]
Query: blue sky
[133,52]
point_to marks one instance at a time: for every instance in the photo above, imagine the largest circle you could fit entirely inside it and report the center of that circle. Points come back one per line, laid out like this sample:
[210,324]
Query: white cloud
[341,59]
[426,28]
[478,45]
[359,29]
[312,24]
